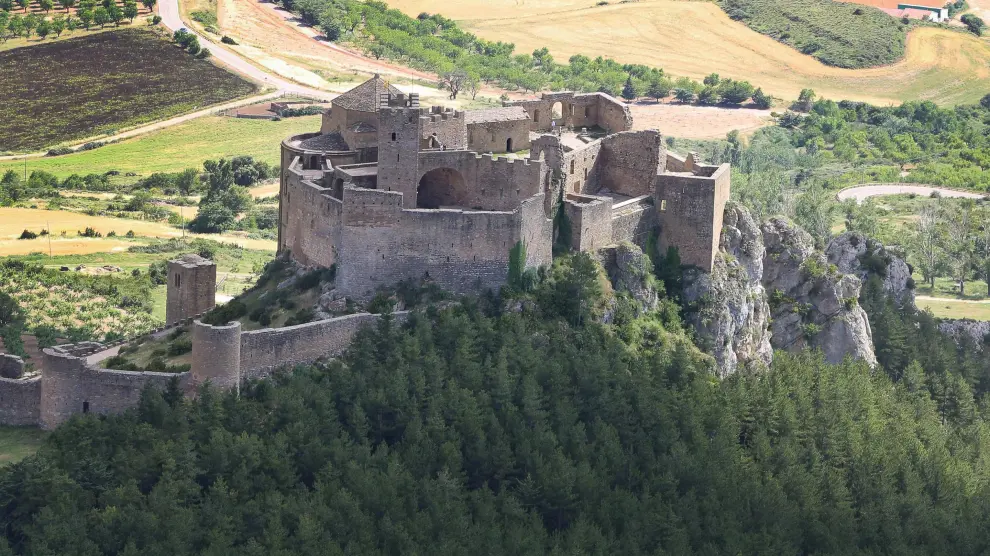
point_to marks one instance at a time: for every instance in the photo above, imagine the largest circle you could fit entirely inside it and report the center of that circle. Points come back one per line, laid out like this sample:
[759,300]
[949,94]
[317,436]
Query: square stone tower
[191,289]
[399,131]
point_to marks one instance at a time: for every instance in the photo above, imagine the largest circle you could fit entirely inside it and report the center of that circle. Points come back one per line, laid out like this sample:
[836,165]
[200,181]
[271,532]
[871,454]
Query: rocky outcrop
[770,289]
[728,308]
[812,304]
[630,270]
[976,332]
[853,253]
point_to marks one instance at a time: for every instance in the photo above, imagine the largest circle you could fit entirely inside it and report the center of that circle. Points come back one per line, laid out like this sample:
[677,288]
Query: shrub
[92,145]
[27,234]
[179,347]
[227,40]
[59,151]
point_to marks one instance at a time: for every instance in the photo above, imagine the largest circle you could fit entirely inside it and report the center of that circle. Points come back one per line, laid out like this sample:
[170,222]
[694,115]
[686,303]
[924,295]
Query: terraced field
[697,38]
[69,90]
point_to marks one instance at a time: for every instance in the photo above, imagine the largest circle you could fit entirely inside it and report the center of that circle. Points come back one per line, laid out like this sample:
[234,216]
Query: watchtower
[191,289]
[398,145]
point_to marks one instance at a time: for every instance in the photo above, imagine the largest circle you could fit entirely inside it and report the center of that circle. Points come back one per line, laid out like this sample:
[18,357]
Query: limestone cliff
[770,289]
[853,253]
[630,270]
[728,308]
[812,304]
[976,332]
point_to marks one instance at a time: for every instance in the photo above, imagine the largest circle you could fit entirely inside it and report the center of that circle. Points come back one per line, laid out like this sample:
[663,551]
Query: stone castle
[389,191]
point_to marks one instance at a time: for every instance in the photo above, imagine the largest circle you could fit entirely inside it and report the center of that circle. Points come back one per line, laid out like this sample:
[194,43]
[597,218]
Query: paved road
[874,190]
[169,10]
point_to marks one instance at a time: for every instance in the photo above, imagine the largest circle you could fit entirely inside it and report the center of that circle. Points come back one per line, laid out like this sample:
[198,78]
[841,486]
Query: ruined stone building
[389,190]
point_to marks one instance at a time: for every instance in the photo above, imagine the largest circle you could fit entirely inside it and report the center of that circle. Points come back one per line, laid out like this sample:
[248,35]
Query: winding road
[867,190]
[169,11]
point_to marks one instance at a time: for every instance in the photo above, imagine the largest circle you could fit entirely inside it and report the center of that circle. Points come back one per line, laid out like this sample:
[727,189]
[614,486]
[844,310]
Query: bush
[27,234]
[59,151]
[92,145]
[227,40]
[179,347]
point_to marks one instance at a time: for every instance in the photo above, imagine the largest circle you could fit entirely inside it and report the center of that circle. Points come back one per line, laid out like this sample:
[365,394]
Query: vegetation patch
[68,90]
[16,443]
[837,33]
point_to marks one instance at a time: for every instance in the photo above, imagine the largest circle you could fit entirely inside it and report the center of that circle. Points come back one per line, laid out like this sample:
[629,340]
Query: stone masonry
[423,202]
[191,288]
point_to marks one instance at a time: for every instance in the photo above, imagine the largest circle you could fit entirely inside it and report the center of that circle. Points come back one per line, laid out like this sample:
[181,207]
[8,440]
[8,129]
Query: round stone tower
[63,386]
[216,354]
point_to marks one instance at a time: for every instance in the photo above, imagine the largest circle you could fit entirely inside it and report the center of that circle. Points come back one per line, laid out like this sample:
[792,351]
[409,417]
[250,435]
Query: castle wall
[263,351]
[312,222]
[20,401]
[463,251]
[448,127]
[582,169]
[612,115]
[634,222]
[493,183]
[69,385]
[591,221]
[216,354]
[370,208]
[493,136]
[109,392]
[689,210]
[632,161]
[537,232]
[577,111]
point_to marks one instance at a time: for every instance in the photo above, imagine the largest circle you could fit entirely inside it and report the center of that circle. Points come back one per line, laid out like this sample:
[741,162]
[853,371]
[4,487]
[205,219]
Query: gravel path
[865,191]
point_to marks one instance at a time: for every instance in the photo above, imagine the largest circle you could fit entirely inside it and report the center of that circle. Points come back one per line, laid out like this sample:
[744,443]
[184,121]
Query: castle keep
[389,190]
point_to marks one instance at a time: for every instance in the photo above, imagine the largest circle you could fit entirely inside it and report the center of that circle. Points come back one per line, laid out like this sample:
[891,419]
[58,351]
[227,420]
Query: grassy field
[949,309]
[697,38]
[176,148]
[68,90]
[16,443]
[14,220]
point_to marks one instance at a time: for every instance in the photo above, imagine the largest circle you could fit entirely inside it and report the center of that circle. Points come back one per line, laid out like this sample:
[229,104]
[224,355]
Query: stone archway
[441,187]
[508,145]
[557,111]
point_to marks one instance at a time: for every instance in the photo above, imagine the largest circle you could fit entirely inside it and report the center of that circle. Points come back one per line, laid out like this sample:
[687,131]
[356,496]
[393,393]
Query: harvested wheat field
[697,38]
[13,221]
[697,122]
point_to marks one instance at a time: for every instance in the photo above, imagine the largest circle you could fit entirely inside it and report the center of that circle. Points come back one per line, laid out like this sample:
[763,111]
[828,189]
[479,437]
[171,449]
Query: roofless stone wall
[223,355]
